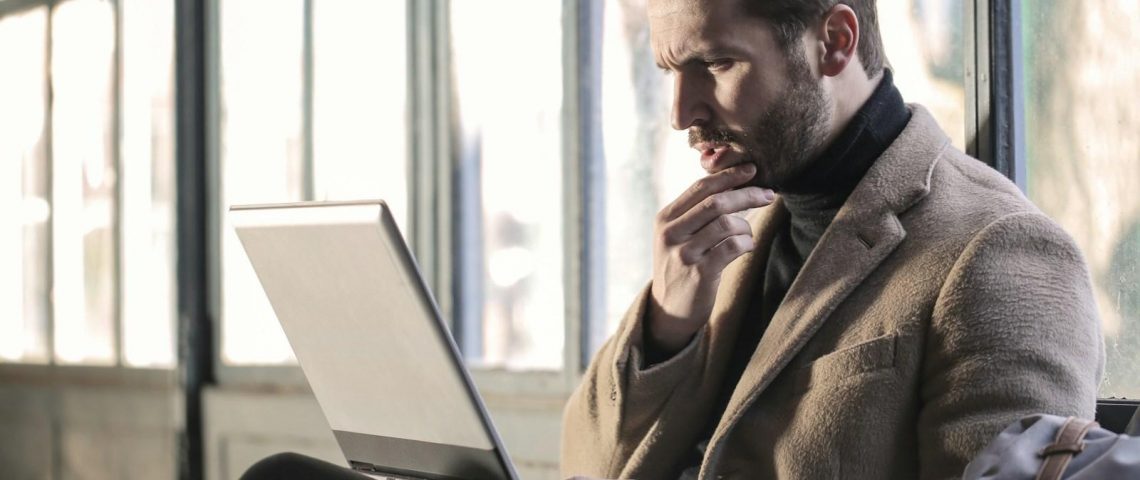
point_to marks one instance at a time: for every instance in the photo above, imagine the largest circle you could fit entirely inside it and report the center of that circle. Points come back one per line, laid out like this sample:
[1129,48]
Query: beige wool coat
[939,306]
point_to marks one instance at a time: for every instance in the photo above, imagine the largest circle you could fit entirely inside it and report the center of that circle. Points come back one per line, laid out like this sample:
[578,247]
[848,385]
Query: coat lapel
[865,231]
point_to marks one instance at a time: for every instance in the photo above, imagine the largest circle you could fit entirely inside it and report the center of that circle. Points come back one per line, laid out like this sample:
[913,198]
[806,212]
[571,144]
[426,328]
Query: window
[510,307]
[311,108]
[647,163]
[89,174]
[261,69]
[1082,119]
[146,176]
[83,182]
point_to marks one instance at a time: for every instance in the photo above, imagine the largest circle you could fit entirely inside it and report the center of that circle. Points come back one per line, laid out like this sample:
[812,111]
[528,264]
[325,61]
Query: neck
[865,135]
[815,198]
[851,90]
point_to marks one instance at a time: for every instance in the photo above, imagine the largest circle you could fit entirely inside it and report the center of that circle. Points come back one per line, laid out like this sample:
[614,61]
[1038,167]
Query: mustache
[713,135]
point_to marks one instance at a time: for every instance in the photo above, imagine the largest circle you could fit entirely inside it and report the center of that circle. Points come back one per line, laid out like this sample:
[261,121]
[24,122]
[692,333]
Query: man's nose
[690,108]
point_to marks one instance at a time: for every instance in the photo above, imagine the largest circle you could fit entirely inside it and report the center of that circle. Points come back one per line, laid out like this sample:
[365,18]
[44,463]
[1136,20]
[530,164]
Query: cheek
[742,98]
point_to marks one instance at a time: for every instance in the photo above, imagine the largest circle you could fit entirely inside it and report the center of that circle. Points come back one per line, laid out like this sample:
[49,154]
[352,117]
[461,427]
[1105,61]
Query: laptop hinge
[365,467]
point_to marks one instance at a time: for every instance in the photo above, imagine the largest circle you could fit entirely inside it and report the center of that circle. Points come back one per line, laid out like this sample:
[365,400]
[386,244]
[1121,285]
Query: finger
[716,205]
[701,189]
[724,253]
[722,227]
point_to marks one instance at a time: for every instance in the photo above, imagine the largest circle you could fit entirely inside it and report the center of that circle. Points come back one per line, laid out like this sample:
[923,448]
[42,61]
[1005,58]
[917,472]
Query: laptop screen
[363,327]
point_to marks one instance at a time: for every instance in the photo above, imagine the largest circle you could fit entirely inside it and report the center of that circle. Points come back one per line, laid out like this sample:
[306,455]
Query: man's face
[742,98]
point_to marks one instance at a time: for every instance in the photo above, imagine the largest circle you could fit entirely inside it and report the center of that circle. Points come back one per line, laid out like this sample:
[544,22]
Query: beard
[787,137]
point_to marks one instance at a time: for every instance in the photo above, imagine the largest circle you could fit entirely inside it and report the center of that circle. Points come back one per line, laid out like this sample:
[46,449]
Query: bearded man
[888,306]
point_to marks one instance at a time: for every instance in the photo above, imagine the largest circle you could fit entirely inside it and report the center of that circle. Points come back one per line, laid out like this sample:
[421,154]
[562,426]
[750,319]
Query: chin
[767,177]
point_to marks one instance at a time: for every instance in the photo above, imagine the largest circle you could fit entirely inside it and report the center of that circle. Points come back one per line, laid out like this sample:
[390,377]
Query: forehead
[680,28]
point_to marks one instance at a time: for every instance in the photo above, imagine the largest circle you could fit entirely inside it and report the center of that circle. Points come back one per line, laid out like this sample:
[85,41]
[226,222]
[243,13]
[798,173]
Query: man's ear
[839,37]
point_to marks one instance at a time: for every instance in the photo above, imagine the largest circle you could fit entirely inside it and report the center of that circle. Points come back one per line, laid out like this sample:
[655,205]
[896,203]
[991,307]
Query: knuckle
[686,257]
[740,243]
[742,227]
[707,270]
[669,235]
[725,223]
[714,203]
[700,186]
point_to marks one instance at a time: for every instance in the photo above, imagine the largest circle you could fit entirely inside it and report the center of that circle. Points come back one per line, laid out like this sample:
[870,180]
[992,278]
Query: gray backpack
[1048,447]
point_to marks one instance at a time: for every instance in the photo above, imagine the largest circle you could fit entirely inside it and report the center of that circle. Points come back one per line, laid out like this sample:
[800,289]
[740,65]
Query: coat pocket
[837,367]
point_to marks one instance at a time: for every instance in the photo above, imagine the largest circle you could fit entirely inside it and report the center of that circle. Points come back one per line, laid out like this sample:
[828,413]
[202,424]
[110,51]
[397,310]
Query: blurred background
[524,147]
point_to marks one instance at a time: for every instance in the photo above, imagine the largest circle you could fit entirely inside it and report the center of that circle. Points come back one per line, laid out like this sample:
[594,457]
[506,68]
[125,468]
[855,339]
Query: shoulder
[967,198]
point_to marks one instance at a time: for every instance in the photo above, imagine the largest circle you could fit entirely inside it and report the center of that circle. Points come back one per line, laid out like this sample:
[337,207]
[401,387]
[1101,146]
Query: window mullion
[49,165]
[196,226]
[120,177]
[1007,104]
[584,185]
[972,72]
[984,141]
[307,166]
[429,150]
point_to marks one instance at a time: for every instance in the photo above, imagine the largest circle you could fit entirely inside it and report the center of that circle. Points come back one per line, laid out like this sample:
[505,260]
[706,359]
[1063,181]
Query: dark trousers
[294,466]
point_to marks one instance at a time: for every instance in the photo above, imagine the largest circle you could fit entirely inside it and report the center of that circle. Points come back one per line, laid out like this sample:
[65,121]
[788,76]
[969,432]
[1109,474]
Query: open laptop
[370,340]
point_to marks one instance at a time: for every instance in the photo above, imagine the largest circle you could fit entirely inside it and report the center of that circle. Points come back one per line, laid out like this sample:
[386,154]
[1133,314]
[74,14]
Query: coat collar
[865,231]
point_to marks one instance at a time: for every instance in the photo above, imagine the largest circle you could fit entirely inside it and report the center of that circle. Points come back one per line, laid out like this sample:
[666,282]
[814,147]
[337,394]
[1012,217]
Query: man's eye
[718,65]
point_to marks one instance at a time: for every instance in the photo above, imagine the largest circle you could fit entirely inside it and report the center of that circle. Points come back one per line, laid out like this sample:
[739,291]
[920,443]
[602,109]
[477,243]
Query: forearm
[619,400]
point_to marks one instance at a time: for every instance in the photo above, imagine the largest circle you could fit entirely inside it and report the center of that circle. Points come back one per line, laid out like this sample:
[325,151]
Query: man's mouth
[712,156]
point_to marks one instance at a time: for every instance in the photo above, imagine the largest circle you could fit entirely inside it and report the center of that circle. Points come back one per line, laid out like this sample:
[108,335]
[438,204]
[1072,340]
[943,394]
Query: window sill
[83,375]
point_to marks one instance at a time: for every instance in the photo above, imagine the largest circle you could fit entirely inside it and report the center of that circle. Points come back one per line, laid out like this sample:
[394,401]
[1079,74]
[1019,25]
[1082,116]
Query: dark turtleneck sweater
[812,201]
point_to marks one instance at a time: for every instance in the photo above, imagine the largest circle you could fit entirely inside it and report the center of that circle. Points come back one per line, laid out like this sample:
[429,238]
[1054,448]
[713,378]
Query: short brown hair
[791,17]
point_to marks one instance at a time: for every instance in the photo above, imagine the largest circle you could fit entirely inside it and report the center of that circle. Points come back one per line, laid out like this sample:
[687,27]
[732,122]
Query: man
[884,316]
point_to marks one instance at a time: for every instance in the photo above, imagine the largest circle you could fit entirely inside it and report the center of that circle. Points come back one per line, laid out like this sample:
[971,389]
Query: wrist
[662,332]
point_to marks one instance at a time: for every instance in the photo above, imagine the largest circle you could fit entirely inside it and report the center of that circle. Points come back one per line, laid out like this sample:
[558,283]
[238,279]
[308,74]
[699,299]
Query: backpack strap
[1069,442]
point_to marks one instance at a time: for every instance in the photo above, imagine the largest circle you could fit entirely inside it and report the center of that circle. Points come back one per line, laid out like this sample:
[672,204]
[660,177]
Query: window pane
[147,180]
[261,156]
[1083,137]
[648,164]
[24,301]
[83,182]
[359,86]
[925,47]
[512,305]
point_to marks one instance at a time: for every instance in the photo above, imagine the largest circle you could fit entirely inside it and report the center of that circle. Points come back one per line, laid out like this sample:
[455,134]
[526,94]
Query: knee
[274,466]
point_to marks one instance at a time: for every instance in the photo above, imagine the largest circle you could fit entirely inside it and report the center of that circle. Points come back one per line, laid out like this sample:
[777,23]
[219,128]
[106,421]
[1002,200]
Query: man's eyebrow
[701,57]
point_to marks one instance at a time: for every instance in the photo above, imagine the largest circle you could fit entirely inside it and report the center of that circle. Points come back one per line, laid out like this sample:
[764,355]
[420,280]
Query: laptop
[370,340]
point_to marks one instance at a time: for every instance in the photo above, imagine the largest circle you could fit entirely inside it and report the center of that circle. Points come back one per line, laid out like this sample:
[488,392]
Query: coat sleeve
[616,406]
[1014,331]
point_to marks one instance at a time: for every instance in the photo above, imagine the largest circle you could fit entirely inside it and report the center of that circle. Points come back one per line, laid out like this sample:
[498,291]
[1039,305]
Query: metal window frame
[585,160]
[193,140]
[995,110]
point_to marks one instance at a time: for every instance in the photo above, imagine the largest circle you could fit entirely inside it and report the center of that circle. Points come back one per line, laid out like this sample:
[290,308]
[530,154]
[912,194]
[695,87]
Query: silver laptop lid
[369,339]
